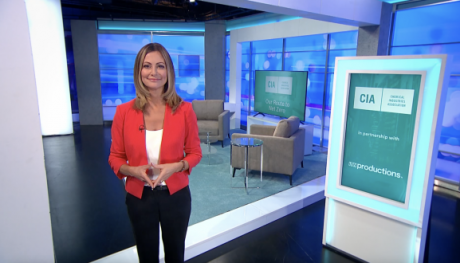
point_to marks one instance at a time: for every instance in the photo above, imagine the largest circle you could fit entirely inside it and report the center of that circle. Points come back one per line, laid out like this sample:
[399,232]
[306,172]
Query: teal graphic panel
[281,93]
[381,120]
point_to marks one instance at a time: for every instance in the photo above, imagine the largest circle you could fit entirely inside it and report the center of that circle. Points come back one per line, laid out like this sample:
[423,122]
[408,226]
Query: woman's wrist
[181,166]
[126,170]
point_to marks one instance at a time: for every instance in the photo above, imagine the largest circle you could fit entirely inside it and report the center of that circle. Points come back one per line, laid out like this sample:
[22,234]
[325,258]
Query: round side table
[247,143]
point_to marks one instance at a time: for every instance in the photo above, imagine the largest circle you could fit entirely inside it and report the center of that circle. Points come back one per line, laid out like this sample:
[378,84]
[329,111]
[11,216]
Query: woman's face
[154,73]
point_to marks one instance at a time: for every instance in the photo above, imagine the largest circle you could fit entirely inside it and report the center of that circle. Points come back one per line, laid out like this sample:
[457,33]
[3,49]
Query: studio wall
[279,30]
[25,223]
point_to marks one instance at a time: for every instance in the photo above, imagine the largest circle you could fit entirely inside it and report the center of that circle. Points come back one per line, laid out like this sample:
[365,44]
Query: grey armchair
[212,118]
[283,148]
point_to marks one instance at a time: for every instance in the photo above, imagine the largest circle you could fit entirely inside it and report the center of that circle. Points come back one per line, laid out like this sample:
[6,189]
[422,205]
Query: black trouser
[156,207]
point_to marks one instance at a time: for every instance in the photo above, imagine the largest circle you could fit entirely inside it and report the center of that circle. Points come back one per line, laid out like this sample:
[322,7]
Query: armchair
[212,118]
[283,147]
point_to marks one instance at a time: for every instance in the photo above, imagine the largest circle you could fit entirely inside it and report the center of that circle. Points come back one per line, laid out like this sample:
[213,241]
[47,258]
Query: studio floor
[298,237]
[89,219]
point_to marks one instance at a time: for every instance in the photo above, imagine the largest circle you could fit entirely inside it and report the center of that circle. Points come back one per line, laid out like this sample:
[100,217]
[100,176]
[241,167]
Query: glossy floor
[89,219]
[298,236]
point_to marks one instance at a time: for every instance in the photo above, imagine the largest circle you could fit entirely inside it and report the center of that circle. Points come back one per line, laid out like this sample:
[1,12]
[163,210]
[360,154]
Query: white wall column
[50,64]
[25,223]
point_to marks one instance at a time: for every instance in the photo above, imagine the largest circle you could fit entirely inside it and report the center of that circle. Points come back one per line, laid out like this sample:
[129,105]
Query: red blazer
[180,134]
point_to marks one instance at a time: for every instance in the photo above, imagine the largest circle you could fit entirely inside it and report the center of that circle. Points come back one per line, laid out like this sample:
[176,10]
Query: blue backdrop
[434,29]
[117,53]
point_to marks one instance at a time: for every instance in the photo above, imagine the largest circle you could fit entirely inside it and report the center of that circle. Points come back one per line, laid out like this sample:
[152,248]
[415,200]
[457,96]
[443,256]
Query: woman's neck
[155,102]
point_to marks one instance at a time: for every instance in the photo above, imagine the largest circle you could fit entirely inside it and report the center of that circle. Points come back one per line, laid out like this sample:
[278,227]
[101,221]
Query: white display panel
[355,231]
[366,208]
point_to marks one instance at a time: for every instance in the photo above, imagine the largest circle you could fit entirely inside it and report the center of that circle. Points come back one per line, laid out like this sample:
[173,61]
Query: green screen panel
[381,118]
[281,93]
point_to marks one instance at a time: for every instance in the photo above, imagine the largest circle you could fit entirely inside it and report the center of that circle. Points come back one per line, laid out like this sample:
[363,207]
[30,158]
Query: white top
[153,144]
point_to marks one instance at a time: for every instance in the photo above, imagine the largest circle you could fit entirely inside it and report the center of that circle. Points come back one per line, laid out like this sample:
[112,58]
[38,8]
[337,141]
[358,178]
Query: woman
[150,135]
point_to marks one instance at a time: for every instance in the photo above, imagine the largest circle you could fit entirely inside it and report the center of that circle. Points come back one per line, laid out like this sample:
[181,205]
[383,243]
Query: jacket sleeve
[192,146]
[117,155]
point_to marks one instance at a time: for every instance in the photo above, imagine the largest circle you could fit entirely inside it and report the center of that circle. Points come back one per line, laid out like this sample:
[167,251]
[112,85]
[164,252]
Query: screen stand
[258,114]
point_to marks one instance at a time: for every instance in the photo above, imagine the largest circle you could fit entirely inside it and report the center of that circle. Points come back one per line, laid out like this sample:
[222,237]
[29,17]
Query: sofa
[212,118]
[283,148]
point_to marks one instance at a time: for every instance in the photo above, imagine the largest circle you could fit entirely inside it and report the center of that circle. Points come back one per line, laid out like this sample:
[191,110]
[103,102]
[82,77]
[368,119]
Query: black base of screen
[258,114]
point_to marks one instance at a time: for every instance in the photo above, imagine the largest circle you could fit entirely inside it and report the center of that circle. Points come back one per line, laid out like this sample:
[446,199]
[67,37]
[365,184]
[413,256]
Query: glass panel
[227,86]
[251,91]
[306,43]
[227,60]
[117,76]
[326,137]
[182,44]
[450,131]
[116,61]
[117,54]
[330,86]
[245,90]
[202,63]
[316,135]
[327,120]
[245,82]
[189,66]
[267,46]
[305,61]
[245,47]
[344,40]
[267,61]
[227,68]
[427,25]
[244,110]
[313,116]
[117,86]
[117,93]
[327,113]
[190,88]
[175,60]
[448,163]
[315,90]
[448,167]
[188,73]
[121,44]
[338,53]
[245,62]
[244,115]
[451,49]
[227,43]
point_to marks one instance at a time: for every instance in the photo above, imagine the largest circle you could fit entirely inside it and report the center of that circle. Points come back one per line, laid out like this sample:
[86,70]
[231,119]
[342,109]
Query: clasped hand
[166,170]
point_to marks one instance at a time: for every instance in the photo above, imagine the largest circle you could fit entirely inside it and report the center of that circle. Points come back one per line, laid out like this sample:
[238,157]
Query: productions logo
[371,168]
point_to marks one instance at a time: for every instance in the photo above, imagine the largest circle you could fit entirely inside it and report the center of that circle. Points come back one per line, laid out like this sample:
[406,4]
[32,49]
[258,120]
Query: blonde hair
[169,91]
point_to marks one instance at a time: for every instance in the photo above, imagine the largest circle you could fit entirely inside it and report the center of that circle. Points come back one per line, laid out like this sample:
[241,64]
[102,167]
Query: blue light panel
[152,26]
[434,24]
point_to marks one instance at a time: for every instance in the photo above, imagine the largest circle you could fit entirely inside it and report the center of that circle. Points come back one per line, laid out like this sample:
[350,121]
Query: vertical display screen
[379,137]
